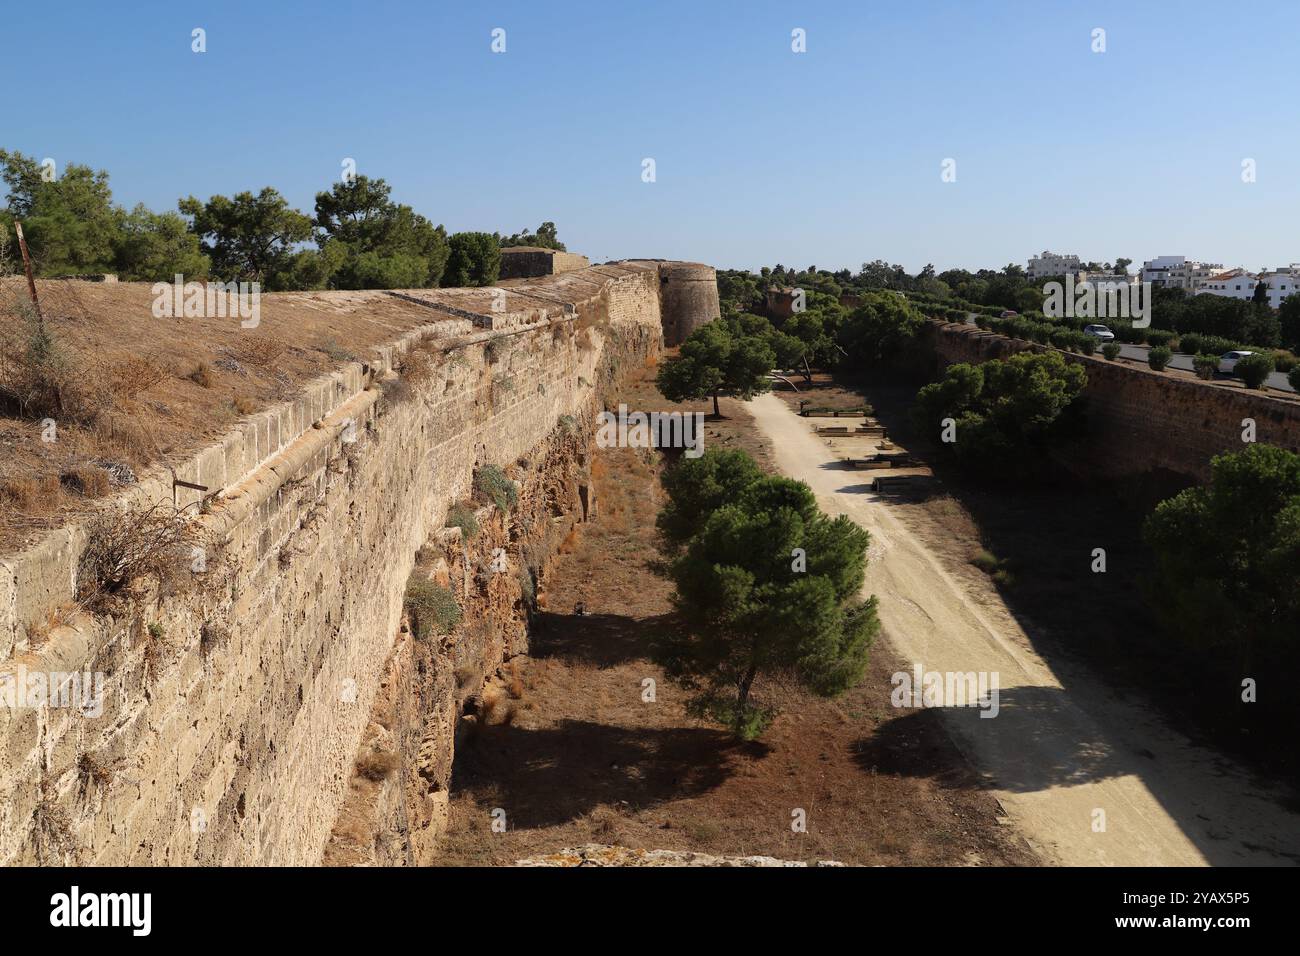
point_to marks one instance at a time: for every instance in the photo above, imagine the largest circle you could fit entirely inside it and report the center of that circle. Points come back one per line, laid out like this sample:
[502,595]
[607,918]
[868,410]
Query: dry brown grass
[202,375]
[90,480]
[31,495]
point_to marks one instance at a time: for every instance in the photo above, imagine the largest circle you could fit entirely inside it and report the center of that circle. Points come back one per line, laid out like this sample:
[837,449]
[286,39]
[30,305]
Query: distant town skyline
[961,135]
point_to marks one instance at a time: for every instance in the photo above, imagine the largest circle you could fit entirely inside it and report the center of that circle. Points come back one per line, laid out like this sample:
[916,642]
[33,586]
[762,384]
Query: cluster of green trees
[736,354]
[990,292]
[1227,574]
[767,585]
[357,237]
[1002,411]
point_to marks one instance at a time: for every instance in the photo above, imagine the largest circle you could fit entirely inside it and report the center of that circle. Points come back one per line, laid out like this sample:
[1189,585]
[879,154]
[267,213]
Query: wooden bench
[887,483]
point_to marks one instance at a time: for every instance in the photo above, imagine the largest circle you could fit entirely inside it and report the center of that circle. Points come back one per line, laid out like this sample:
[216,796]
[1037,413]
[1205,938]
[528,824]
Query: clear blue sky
[831,157]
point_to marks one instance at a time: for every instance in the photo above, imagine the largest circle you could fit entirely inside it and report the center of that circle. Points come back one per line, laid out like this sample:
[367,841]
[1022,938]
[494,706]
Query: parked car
[1008,314]
[1099,332]
[1228,361]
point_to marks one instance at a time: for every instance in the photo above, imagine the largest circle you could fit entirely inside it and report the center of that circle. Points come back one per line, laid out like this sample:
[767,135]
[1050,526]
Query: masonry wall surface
[1140,420]
[234,705]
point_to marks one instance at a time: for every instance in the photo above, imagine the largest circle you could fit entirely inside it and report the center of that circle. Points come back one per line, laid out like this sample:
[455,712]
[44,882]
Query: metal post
[27,264]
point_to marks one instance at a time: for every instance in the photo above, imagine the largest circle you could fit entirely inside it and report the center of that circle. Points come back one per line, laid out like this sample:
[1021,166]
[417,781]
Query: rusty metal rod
[27,264]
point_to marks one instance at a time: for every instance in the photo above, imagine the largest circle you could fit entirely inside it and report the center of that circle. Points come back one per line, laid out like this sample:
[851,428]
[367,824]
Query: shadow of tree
[1022,749]
[554,775]
[601,640]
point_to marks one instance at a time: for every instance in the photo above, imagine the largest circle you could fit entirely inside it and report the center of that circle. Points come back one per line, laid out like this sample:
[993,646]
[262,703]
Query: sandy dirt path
[1063,748]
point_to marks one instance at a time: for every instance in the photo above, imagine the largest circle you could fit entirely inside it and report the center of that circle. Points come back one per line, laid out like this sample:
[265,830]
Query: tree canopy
[725,356]
[769,585]
[1228,555]
[1003,408]
[474,259]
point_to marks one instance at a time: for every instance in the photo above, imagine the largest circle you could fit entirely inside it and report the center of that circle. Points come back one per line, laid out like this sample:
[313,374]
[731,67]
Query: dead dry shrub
[260,351]
[418,367]
[131,376]
[202,375]
[90,481]
[377,765]
[92,772]
[243,405]
[126,546]
[120,435]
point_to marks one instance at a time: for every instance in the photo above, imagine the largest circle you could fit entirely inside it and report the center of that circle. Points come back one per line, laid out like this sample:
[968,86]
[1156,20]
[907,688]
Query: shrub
[1087,344]
[377,765]
[1110,350]
[202,375]
[461,515]
[1003,408]
[1254,369]
[1293,377]
[1159,337]
[1205,366]
[985,561]
[432,608]
[1196,343]
[125,546]
[1224,554]
[1159,357]
[492,483]
[1284,361]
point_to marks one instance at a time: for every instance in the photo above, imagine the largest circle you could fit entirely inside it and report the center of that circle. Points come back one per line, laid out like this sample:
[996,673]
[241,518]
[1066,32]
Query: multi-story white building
[1240,284]
[1176,272]
[1050,264]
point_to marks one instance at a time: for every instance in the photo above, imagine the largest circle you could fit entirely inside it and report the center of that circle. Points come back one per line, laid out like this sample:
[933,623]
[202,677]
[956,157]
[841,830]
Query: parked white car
[1099,332]
[1228,361]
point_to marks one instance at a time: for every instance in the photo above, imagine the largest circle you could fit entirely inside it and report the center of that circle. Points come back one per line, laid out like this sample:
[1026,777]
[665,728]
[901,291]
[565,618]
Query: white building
[1176,272]
[1050,264]
[1240,284]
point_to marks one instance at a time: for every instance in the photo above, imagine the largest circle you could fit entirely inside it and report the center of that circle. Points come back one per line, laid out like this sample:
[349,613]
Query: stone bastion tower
[688,296]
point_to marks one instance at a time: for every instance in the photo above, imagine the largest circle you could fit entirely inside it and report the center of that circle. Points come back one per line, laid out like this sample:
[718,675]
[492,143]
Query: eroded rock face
[438,690]
[596,854]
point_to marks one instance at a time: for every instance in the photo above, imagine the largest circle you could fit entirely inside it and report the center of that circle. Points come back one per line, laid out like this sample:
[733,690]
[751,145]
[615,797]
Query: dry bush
[243,405]
[202,375]
[123,436]
[260,350]
[131,376]
[90,480]
[213,637]
[418,367]
[39,631]
[397,391]
[126,546]
[378,765]
[515,684]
